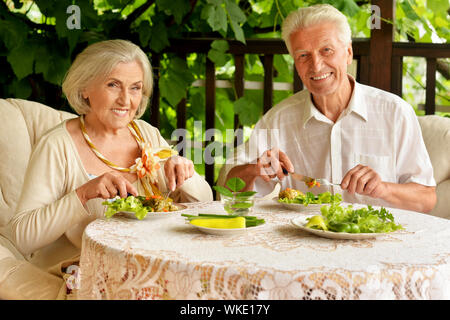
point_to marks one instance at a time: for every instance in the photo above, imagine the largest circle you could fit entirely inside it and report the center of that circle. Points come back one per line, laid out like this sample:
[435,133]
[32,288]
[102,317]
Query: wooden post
[210,114]
[268,81]
[298,84]
[181,114]
[238,82]
[430,100]
[397,75]
[154,115]
[381,47]
[239,87]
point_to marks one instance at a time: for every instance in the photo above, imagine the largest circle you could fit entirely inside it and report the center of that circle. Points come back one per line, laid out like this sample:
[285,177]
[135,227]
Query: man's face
[321,59]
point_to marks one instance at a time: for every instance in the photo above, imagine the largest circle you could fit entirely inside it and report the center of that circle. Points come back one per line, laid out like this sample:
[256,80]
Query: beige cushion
[436,134]
[23,123]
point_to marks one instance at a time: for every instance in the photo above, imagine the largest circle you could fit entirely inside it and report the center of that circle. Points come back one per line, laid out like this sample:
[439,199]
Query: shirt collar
[356,105]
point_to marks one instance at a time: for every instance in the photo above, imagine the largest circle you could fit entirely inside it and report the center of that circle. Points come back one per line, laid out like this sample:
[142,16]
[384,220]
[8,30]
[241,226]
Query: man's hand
[271,164]
[411,196]
[364,180]
[268,166]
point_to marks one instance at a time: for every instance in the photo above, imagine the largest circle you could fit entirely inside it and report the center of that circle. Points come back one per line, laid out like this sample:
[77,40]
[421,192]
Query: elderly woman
[104,153]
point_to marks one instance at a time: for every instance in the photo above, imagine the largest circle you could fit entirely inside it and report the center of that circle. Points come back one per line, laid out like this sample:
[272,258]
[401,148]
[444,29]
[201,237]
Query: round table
[166,258]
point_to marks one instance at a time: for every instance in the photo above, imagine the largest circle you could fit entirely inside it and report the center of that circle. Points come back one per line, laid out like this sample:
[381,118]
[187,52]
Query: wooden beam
[426,50]
[381,47]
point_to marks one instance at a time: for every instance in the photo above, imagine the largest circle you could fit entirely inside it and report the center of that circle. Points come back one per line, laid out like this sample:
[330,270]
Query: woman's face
[114,100]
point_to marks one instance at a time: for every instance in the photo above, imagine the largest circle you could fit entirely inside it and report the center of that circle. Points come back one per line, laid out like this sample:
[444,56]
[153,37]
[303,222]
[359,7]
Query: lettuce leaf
[369,220]
[310,198]
[129,204]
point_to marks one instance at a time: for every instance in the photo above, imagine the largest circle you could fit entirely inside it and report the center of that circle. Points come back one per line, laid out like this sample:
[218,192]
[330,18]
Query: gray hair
[97,61]
[314,15]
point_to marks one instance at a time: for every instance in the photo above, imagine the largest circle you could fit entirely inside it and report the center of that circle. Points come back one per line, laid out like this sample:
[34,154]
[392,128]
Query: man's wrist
[247,172]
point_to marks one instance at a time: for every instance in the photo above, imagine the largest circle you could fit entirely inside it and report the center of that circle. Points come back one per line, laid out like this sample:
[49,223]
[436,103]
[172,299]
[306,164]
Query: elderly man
[364,139]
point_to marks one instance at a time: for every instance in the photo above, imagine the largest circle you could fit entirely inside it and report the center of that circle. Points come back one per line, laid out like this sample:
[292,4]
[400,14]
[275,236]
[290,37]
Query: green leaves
[235,184]
[246,109]
[348,7]
[159,38]
[177,8]
[13,33]
[218,12]
[224,191]
[145,32]
[236,17]
[51,64]
[21,59]
[217,52]
[215,15]
[175,80]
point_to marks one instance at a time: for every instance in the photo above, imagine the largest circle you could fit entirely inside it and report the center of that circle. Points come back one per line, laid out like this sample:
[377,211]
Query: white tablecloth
[165,258]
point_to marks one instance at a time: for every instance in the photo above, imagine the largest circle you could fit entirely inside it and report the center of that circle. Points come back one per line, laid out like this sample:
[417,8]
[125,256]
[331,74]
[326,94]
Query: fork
[167,195]
[325,182]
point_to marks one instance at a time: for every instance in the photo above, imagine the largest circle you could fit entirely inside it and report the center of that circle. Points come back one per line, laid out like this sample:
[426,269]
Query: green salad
[140,205]
[364,220]
[295,196]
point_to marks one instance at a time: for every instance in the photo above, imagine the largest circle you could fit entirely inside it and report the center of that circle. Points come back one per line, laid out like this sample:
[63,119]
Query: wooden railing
[267,48]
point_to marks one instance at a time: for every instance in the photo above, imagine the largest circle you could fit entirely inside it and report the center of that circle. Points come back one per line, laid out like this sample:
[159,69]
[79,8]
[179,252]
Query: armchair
[23,123]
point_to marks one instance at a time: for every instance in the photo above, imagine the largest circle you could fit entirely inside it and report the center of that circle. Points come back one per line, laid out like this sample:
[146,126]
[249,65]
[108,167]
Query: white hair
[96,62]
[314,15]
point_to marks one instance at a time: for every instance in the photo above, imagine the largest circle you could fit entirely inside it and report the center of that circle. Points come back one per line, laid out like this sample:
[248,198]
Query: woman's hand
[106,186]
[178,169]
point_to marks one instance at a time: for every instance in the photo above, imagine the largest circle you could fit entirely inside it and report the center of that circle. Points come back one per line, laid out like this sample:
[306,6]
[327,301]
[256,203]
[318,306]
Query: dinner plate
[301,207]
[228,232]
[131,215]
[300,223]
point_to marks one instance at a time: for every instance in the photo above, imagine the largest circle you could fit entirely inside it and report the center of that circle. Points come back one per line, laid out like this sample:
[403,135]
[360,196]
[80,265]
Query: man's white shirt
[377,129]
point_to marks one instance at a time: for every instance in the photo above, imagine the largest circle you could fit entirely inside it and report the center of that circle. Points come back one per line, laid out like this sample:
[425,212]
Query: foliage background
[37,48]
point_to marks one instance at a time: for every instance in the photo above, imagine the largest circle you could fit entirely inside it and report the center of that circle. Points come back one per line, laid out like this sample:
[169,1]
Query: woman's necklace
[134,131]
[146,166]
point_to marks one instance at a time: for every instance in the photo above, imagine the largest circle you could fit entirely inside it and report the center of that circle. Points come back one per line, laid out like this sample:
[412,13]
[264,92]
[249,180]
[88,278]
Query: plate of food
[224,225]
[296,200]
[141,207]
[337,222]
